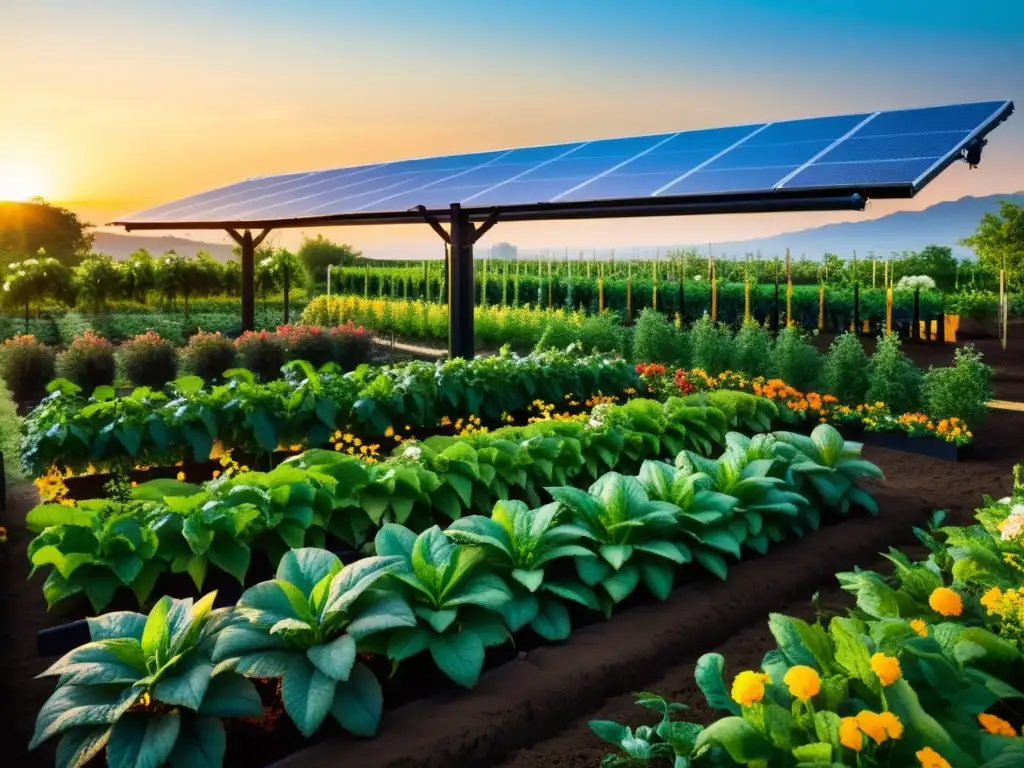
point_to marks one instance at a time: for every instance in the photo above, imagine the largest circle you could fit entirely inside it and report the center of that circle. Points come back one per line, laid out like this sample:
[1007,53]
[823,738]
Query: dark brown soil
[541,703]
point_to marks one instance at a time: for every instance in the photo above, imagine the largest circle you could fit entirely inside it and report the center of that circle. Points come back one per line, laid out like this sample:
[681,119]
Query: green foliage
[893,379]
[304,628]
[999,242]
[148,360]
[710,346]
[962,390]
[845,373]
[146,690]
[96,279]
[27,367]
[37,225]
[316,253]
[209,355]
[88,362]
[655,339]
[795,360]
[752,350]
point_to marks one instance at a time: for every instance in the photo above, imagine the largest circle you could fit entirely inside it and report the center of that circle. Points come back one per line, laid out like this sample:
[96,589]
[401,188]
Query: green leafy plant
[632,535]
[752,349]
[962,391]
[520,541]
[146,690]
[304,628]
[795,360]
[668,740]
[893,379]
[456,599]
[710,345]
[655,339]
[262,353]
[845,373]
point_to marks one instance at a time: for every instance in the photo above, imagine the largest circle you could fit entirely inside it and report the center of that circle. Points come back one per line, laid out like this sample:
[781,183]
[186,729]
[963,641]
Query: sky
[113,106]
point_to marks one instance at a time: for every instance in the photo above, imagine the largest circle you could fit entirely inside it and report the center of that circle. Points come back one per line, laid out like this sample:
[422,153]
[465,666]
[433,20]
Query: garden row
[149,360]
[147,427]
[713,352]
[926,670]
[158,689]
[98,546]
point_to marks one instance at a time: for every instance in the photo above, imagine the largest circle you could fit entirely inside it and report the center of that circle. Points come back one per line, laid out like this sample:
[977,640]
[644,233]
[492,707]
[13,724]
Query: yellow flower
[919,626]
[990,600]
[850,735]
[929,758]
[945,601]
[389,432]
[338,446]
[996,725]
[181,475]
[243,468]
[407,428]
[347,437]
[216,474]
[748,687]
[886,667]
[879,727]
[803,682]
[134,484]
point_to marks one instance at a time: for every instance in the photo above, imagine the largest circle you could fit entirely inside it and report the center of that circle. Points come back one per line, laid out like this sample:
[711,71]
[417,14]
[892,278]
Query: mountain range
[940,224]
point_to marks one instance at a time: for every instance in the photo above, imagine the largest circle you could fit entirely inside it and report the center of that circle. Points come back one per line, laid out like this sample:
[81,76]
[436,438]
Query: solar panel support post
[248,244]
[462,234]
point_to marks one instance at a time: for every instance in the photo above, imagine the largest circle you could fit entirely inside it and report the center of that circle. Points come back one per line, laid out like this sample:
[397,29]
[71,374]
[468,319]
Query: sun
[18,184]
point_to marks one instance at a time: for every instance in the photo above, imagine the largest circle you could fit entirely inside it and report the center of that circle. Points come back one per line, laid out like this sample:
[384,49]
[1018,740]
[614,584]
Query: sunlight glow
[19,183]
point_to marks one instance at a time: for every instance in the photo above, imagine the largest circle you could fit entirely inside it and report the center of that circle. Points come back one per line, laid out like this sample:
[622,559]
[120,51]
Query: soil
[539,701]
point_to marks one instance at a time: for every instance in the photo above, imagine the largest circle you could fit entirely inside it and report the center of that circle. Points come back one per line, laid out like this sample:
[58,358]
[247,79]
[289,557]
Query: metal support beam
[462,234]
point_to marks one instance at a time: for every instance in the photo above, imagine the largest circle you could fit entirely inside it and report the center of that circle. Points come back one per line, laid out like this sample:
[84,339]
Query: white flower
[594,423]
[1012,527]
[1004,500]
[7,286]
[413,452]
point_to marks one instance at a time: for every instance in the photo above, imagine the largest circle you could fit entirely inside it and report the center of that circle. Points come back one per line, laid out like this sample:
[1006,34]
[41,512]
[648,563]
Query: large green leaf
[460,655]
[358,702]
[307,695]
[708,674]
[334,659]
[143,739]
[201,743]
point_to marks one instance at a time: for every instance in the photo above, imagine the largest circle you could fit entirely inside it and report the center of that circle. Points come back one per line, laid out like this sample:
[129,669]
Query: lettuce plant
[633,536]
[455,597]
[146,689]
[303,627]
[521,541]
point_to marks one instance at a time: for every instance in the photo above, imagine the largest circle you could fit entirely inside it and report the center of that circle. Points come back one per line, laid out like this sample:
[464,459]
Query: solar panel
[892,153]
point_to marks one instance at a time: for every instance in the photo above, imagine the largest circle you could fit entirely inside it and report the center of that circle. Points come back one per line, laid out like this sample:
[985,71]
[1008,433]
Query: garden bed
[544,689]
[924,446]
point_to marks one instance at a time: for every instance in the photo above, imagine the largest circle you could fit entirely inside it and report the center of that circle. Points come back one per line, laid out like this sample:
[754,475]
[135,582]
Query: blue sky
[121,105]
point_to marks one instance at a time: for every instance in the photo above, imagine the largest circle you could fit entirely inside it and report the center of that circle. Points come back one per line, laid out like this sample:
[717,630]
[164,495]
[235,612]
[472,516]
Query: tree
[27,227]
[188,276]
[319,252]
[138,276]
[270,271]
[999,243]
[935,261]
[97,278]
[34,279]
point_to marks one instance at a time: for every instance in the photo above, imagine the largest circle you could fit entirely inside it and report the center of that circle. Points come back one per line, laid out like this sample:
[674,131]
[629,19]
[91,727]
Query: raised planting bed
[924,446]
[541,690]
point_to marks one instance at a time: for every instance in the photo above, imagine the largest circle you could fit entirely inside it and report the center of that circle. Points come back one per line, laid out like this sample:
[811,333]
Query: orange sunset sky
[113,106]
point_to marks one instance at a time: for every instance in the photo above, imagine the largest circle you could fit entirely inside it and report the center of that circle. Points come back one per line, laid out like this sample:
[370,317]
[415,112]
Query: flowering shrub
[307,342]
[27,366]
[208,355]
[148,360]
[88,362]
[352,346]
[961,390]
[262,353]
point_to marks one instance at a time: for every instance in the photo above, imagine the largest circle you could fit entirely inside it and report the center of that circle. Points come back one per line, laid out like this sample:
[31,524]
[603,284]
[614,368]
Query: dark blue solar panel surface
[859,151]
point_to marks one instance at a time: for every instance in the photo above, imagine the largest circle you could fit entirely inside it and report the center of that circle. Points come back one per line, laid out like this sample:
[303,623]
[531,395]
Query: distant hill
[941,224]
[122,246]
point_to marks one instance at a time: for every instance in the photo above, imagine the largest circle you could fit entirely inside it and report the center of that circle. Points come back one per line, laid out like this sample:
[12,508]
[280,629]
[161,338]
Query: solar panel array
[858,152]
